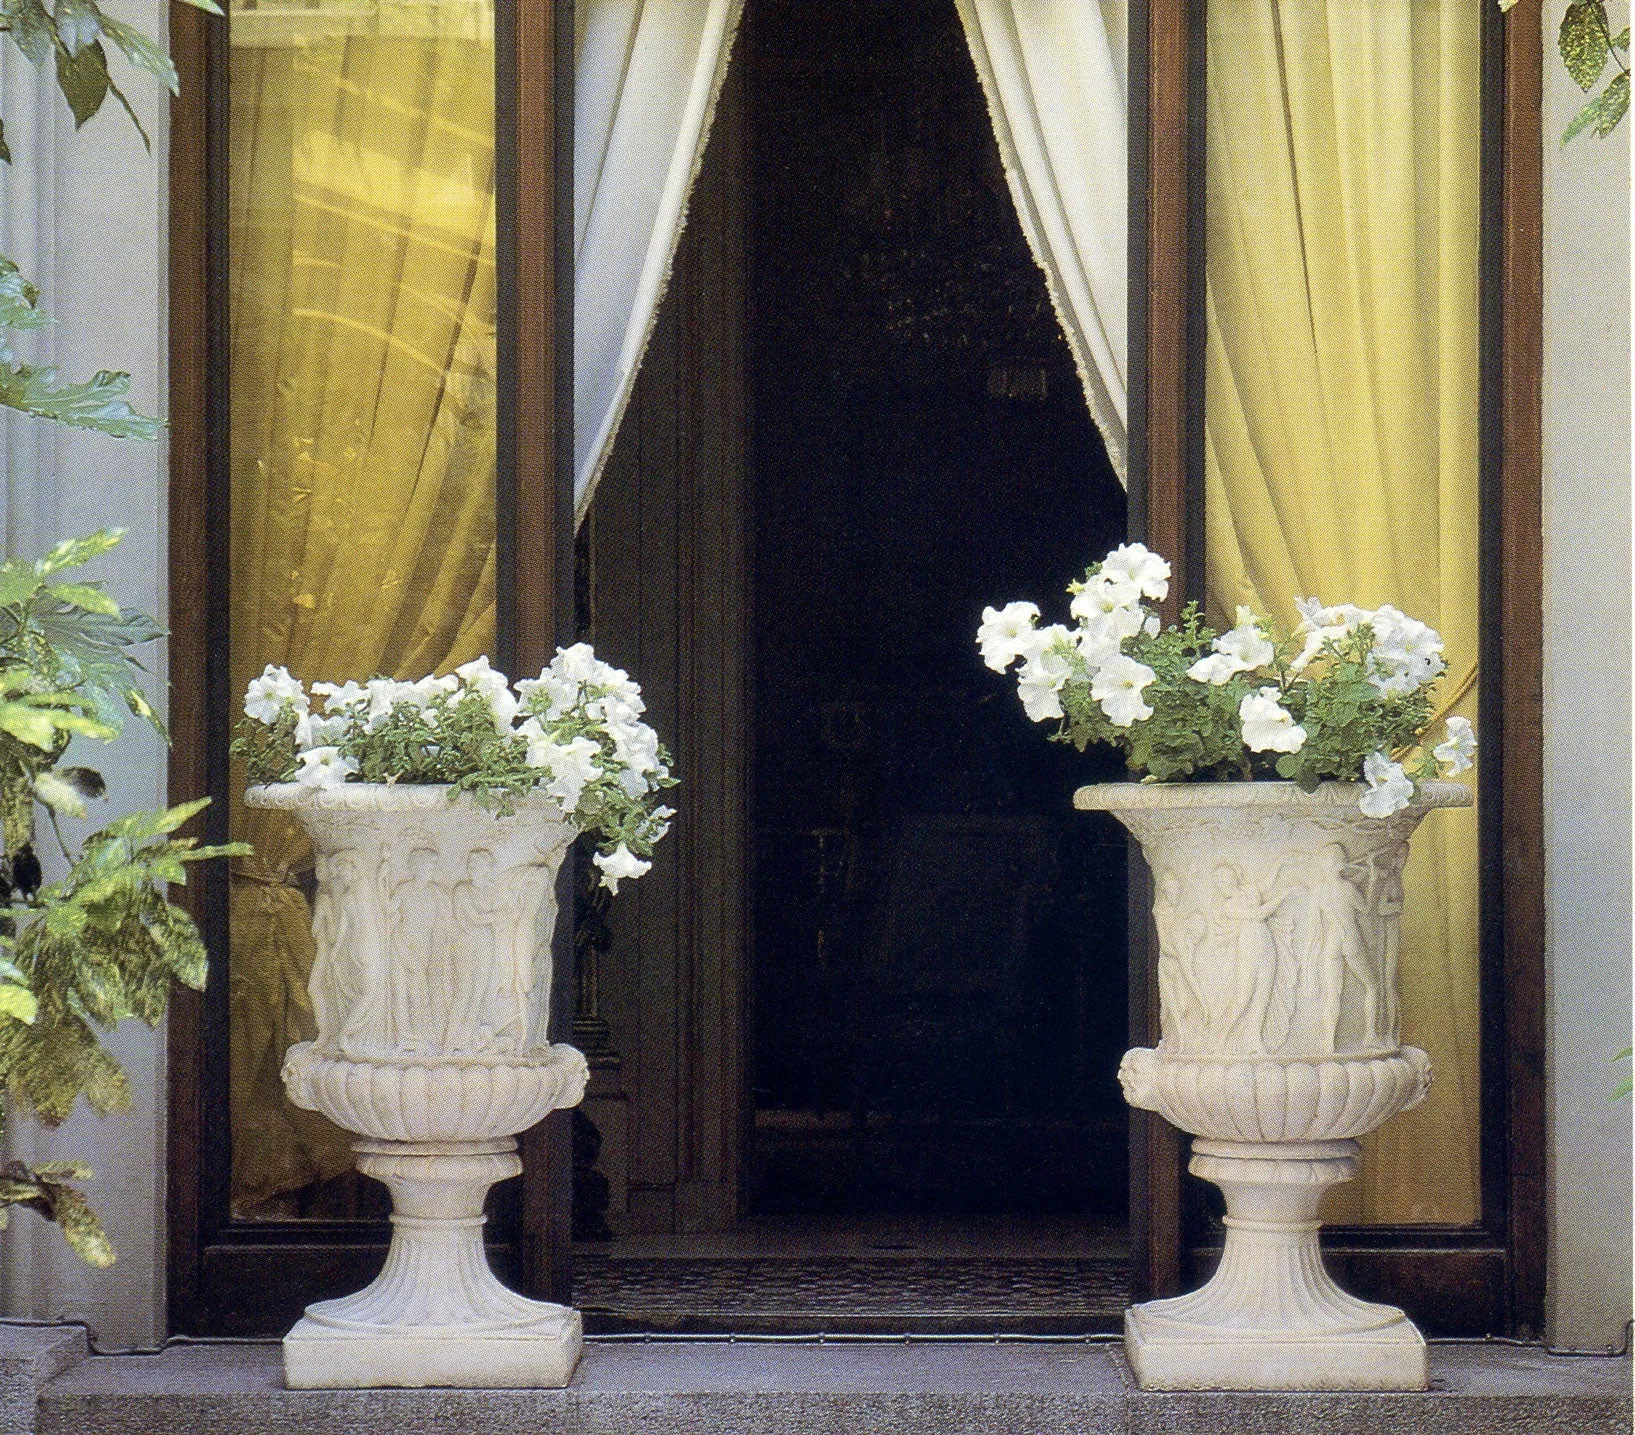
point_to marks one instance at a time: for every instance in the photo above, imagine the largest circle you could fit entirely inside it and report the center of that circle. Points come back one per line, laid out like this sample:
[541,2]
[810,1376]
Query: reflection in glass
[1341,436]
[362,313]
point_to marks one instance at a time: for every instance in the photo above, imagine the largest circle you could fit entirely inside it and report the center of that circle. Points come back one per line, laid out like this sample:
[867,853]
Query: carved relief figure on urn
[440,812]
[1282,774]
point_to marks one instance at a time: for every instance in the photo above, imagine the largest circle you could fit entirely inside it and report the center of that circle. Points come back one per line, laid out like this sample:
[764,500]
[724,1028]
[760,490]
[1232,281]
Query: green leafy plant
[102,943]
[1345,695]
[1588,46]
[80,954]
[573,733]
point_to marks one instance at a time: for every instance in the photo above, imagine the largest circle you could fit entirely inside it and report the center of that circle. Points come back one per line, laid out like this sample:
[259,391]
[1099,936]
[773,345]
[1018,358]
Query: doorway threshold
[862,1274]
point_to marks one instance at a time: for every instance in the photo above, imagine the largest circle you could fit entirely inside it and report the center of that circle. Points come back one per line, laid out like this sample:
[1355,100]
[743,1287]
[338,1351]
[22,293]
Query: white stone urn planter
[1279,929]
[431,987]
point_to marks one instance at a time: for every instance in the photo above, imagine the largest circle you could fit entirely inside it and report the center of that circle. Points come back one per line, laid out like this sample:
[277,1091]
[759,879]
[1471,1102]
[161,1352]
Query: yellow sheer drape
[1341,430]
[362,316]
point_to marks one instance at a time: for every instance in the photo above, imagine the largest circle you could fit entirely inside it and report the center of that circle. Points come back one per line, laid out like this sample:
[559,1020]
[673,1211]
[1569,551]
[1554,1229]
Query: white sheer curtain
[647,73]
[1055,77]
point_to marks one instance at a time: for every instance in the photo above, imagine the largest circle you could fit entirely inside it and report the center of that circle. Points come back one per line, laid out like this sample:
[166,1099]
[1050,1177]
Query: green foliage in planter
[102,943]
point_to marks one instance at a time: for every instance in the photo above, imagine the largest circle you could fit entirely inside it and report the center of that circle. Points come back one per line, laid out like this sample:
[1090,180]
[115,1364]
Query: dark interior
[938,993]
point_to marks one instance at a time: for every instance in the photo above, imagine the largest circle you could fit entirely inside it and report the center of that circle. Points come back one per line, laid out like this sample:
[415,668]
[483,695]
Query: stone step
[915,1387]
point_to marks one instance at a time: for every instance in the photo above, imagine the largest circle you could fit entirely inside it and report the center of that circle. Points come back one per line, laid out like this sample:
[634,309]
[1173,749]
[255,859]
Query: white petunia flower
[1458,753]
[341,698]
[324,767]
[1136,563]
[1267,725]
[1405,653]
[1005,633]
[313,731]
[1104,595]
[579,664]
[492,686]
[635,745]
[619,864]
[1241,650]
[1389,790]
[1318,625]
[1118,686]
[1046,667]
[572,765]
[268,696]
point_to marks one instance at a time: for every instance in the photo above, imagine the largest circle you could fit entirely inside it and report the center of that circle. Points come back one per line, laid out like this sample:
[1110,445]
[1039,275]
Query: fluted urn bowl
[1279,921]
[431,986]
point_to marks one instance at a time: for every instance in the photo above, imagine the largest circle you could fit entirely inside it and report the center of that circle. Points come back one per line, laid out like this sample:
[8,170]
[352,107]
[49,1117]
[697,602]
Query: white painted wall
[1587,624]
[84,215]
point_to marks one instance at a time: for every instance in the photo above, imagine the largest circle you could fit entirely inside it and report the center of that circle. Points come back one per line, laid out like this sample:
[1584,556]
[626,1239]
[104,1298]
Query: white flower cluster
[1108,610]
[1399,656]
[578,725]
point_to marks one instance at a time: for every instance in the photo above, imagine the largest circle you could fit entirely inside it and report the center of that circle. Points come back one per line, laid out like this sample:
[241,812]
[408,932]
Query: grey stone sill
[708,1388]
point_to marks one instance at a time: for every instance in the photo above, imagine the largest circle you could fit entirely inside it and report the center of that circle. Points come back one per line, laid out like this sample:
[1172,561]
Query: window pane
[363,444]
[1343,217]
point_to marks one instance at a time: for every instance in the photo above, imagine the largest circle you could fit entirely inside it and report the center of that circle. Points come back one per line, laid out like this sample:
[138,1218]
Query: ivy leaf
[58,795]
[77,552]
[87,596]
[80,1226]
[18,1002]
[1620,41]
[97,404]
[18,298]
[211,8]
[1603,112]
[1583,42]
[33,31]
[78,24]
[18,583]
[141,52]
[82,77]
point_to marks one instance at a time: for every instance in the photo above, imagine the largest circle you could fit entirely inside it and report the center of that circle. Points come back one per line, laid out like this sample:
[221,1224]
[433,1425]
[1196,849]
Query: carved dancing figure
[1385,882]
[1243,917]
[522,891]
[351,978]
[1182,1003]
[425,922]
[481,927]
[1337,941]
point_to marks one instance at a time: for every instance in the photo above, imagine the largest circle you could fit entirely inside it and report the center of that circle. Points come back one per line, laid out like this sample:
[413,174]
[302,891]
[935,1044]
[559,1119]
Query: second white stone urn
[431,987]
[1279,926]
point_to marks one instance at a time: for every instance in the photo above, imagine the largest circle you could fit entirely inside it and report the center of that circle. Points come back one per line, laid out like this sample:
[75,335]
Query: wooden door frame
[1490,1276]
[1486,1278]
[241,1278]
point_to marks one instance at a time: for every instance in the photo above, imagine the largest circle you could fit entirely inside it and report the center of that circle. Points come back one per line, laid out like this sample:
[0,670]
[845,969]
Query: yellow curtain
[1341,431]
[362,312]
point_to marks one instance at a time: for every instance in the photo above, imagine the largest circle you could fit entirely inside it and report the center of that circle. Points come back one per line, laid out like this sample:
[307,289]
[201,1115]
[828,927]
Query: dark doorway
[857,424]
[939,969]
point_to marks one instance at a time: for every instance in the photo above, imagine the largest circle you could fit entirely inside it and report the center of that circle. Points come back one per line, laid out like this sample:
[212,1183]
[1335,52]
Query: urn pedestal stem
[1279,930]
[436,1312]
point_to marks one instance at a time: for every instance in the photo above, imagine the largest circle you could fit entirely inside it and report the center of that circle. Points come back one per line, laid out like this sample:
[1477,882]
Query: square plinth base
[1164,1358]
[537,1356]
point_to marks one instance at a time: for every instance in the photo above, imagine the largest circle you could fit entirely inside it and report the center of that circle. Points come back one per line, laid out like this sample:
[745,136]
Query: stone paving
[696,1387]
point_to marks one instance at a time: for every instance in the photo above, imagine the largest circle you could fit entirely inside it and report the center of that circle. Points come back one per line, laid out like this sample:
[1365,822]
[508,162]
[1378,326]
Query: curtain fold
[362,313]
[1341,441]
[1054,74]
[647,74]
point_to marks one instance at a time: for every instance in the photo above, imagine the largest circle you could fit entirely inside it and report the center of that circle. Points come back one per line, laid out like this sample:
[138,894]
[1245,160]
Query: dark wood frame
[227,1277]
[1464,1280]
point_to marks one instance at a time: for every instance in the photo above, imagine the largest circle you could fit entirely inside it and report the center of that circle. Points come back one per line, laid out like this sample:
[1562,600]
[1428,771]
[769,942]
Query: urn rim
[1329,797]
[387,797]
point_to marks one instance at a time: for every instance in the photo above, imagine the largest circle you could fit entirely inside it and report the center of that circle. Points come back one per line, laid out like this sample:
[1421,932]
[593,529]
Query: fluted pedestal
[436,1315]
[1271,1317]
